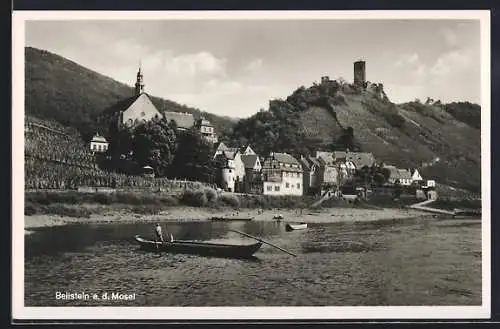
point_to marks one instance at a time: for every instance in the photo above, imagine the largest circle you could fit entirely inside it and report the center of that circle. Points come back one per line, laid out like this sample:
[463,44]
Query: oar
[256,238]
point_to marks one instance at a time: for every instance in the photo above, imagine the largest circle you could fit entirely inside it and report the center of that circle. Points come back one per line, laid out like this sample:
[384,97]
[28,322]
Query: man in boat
[159,234]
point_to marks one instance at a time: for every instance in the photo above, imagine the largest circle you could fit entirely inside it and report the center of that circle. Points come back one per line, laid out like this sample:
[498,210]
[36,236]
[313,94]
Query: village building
[99,144]
[311,178]
[359,159]
[232,170]
[405,177]
[338,167]
[253,173]
[183,120]
[430,183]
[415,176]
[207,130]
[393,174]
[282,175]
[248,151]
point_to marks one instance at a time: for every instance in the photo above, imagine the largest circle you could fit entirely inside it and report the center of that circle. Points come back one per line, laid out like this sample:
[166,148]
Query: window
[94,147]
[230,171]
[277,188]
[269,188]
[287,185]
[298,185]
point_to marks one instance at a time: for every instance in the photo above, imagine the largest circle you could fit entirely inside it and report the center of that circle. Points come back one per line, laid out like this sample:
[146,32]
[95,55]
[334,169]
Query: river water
[395,262]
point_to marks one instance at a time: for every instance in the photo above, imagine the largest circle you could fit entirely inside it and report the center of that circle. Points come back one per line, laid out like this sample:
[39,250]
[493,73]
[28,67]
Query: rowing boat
[200,248]
[293,227]
[231,218]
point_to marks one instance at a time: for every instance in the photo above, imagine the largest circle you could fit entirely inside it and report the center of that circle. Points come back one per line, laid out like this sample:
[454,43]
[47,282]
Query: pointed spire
[139,84]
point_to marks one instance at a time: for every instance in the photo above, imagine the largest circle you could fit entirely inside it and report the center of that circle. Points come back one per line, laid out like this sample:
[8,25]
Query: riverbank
[176,214]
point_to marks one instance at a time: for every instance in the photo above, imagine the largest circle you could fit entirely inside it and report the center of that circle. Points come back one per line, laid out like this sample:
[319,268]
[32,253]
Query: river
[410,262]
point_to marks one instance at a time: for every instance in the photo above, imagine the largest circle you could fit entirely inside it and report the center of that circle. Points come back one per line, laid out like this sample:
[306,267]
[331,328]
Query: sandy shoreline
[330,215]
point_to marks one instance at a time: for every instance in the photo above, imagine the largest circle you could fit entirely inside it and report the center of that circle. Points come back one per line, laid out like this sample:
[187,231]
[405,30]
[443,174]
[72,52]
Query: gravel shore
[330,215]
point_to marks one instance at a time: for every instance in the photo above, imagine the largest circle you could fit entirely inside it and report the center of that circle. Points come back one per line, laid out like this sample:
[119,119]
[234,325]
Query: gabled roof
[361,159]
[394,172]
[249,160]
[99,139]
[326,158]
[183,120]
[121,105]
[222,147]
[285,158]
[404,174]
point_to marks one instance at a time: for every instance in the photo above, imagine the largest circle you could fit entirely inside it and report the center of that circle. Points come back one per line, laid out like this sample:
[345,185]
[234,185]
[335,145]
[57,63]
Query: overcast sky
[235,67]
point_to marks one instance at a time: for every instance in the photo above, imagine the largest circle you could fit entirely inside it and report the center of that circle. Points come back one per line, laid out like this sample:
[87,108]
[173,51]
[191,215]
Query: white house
[431,183]
[99,144]
[232,167]
[282,175]
[405,177]
[415,176]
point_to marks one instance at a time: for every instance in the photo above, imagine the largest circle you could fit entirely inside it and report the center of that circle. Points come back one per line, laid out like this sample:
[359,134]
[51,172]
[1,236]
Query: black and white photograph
[247,165]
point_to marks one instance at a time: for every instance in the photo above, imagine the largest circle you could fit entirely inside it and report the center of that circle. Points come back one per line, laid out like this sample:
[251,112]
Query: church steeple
[139,84]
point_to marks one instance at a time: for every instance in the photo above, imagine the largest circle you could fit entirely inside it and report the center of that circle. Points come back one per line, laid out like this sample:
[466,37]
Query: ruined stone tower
[359,73]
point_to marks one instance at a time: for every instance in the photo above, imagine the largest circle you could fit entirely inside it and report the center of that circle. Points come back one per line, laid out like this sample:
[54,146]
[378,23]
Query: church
[139,108]
[131,111]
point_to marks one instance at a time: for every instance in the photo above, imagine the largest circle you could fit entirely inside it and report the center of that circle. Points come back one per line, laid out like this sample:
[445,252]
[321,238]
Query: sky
[234,67]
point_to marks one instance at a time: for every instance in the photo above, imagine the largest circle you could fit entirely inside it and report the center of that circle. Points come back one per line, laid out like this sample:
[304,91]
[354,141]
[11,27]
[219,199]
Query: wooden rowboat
[293,227]
[216,218]
[200,248]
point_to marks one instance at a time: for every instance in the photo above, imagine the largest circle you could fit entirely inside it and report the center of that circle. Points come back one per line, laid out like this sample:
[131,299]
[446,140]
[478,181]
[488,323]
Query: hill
[60,90]
[443,140]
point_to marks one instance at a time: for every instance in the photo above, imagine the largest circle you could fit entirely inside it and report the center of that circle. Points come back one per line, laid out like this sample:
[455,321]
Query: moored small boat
[293,227]
[201,248]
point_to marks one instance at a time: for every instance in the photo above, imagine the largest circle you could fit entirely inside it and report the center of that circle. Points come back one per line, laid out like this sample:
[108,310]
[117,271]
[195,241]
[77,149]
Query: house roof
[394,172]
[122,105]
[222,147]
[99,139]
[285,158]
[249,160]
[309,162]
[360,159]
[183,120]
[204,122]
[404,174]
[326,158]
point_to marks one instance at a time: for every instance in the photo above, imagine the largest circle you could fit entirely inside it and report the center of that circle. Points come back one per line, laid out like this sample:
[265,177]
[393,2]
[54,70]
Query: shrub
[195,198]
[64,210]
[211,195]
[169,201]
[230,200]
[395,119]
[102,198]
[128,198]
[30,209]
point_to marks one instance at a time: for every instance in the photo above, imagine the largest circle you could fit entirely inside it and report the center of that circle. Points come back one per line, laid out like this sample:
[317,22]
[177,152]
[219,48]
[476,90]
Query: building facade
[131,111]
[282,175]
[99,144]
[207,130]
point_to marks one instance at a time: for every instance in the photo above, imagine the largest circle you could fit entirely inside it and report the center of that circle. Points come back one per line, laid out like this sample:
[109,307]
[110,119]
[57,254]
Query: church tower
[139,84]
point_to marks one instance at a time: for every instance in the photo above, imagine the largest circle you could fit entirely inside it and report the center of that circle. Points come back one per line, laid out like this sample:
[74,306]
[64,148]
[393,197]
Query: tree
[153,144]
[194,158]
